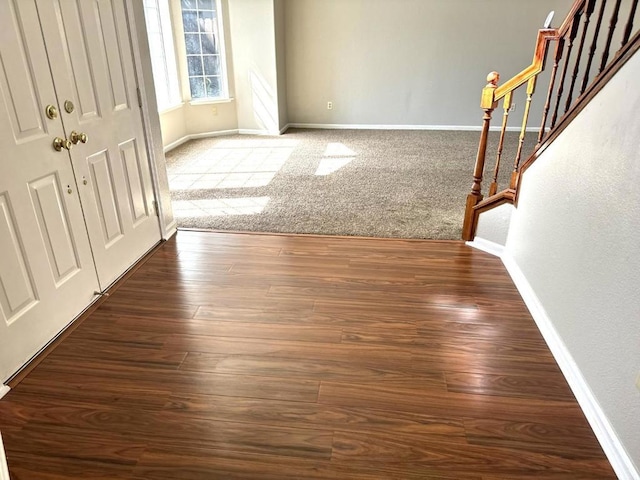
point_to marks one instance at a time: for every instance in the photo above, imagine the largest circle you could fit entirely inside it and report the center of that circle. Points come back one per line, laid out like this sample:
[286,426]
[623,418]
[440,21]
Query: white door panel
[18,292]
[97,75]
[47,275]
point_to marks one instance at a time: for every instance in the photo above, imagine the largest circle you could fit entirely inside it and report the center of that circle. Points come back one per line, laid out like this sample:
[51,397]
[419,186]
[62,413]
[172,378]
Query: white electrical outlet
[214,110]
[329,105]
[513,108]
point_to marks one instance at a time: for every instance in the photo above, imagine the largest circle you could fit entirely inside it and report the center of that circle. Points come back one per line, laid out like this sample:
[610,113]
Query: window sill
[212,101]
[171,108]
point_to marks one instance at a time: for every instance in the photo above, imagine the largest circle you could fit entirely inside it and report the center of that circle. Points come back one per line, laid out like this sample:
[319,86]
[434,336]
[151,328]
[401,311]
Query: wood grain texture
[299,357]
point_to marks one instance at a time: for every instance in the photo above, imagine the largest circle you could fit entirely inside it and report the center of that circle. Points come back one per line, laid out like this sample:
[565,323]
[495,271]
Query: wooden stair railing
[573,83]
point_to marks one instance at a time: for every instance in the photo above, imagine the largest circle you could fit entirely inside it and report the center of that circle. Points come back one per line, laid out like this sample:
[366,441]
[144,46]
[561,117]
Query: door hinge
[155,208]
[139,97]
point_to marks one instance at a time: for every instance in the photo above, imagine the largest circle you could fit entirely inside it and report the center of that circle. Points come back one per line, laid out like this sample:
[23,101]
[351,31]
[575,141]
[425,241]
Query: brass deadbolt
[51,111]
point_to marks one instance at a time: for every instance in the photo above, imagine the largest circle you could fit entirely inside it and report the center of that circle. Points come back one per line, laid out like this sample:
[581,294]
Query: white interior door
[47,276]
[92,63]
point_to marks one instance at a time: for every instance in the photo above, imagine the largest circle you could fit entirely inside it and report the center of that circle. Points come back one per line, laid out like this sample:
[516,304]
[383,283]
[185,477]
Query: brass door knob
[60,143]
[76,137]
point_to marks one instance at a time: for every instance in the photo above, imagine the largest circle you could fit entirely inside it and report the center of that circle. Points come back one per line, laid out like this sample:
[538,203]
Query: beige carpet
[402,184]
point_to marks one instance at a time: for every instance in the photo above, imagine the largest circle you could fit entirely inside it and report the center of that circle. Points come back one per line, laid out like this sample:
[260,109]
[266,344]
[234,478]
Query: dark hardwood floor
[230,356]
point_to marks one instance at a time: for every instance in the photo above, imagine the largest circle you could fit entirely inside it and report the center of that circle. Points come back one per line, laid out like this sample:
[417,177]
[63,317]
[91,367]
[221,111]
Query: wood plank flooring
[238,356]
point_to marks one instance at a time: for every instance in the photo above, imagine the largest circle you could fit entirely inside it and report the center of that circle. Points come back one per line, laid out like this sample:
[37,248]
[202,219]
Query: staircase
[594,41]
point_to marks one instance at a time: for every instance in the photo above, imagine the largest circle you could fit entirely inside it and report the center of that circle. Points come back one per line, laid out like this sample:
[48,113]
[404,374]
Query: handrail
[544,37]
[564,76]
[566,25]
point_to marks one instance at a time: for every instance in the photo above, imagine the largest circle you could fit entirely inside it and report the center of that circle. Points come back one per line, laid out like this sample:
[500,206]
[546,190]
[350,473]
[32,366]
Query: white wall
[281,63]
[576,238]
[252,27]
[173,125]
[405,62]
[493,225]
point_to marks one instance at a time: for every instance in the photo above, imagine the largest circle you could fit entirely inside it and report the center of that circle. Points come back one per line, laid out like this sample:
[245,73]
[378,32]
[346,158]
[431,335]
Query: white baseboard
[613,448]
[487,246]
[195,136]
[331,126]
[249,131]
[345,126]
[285,128]
[4,468]
[3,390]
[177,143]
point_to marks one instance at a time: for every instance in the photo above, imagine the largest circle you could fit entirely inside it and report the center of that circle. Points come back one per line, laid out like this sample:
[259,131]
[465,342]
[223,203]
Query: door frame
[4,468]
[150,119]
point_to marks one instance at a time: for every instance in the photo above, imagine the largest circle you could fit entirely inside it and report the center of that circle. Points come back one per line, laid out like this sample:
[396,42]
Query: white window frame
[224,96]
[168,68]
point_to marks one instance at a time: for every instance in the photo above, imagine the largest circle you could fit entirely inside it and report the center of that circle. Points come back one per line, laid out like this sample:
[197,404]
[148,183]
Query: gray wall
[575,236]
[405,62]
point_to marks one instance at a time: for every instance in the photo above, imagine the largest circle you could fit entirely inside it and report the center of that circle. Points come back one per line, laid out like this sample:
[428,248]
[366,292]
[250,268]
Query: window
[163,57]
[203,42]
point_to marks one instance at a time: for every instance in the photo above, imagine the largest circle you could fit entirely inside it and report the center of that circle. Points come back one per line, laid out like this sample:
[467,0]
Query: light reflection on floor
[219,207]
[336,156]
[239,164]
[232,164]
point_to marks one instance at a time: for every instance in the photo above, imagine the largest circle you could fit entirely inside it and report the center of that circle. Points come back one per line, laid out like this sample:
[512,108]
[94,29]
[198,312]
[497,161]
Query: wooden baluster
[493,188]
[572,36]
[591,4]
[629,28]
[594,45]
[547,104]
[531,87]
[487,103]
[612,27]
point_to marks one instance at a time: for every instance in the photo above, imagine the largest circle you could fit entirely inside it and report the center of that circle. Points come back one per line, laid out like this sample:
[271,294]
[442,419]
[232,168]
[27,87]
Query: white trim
[176,144]
[345,126]
[195,136]
[219,133]
[4,468]
[285,128]
[137,27]
[248,131]
[171,230]
[487,246]
[4,389]
[211,101]
[613,448]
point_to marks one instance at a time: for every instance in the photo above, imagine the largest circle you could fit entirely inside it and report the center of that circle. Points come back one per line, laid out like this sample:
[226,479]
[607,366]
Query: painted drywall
[493,225]
[406,62]
[251,25]
[575,237]
[281,61]
[210,117]
[173,125]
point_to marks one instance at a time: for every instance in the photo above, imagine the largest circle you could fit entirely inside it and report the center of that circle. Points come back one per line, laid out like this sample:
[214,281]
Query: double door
[76,196]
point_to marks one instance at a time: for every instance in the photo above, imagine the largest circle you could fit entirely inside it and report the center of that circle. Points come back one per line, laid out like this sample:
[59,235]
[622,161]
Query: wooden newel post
[489,104]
